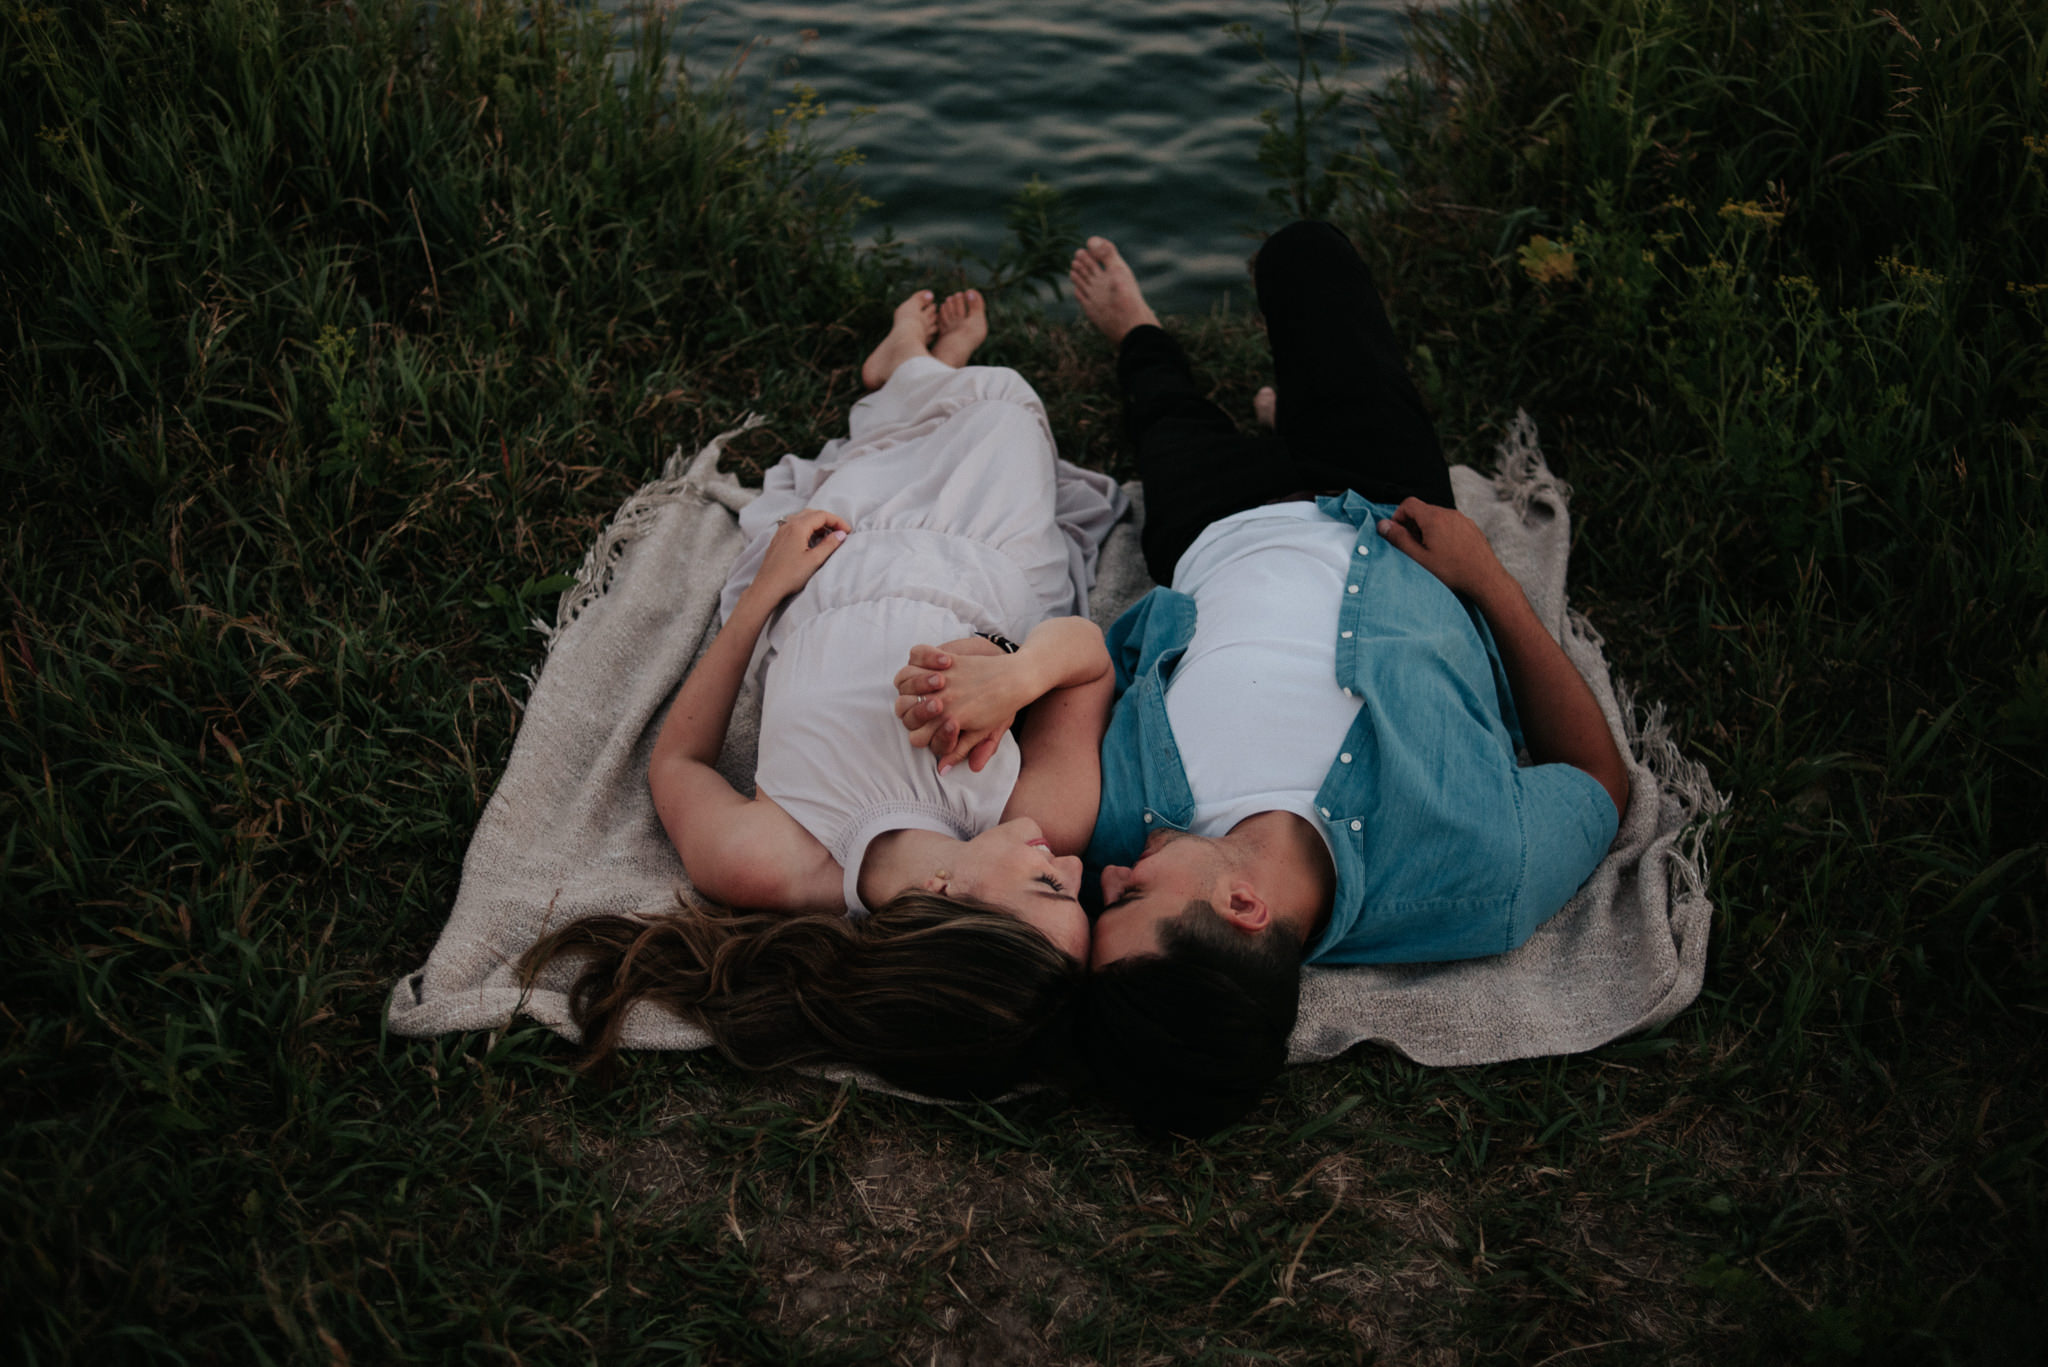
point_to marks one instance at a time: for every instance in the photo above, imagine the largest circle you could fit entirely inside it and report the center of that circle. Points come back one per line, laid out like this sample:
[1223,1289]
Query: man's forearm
[1561,721]
[1061,652]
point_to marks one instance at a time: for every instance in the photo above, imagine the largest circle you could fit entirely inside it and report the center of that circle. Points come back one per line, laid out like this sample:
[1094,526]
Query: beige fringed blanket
[571,831]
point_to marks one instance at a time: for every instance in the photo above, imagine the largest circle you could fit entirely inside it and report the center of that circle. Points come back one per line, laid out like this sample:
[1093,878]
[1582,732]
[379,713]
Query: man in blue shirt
[1313,752]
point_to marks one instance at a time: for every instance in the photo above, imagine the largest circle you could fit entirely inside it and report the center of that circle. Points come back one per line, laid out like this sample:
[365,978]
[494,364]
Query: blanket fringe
[676,480]
[1683,780]
[1647,733]
[1522,477]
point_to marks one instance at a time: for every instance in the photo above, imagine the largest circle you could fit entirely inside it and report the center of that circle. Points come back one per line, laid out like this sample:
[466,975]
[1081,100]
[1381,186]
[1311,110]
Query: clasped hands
[958,699]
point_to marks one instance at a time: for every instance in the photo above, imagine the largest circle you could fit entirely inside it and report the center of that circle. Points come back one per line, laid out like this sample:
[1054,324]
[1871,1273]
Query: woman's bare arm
[1060,739]
[741,850]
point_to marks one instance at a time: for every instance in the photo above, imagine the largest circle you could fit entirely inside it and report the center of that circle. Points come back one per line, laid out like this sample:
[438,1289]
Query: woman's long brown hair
[937,995]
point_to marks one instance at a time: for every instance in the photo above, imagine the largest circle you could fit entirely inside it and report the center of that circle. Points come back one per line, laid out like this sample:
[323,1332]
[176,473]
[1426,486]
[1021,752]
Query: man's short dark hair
[1187,1039]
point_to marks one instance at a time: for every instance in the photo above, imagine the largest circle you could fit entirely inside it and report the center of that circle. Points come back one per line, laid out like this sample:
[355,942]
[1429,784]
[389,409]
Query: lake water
[1143,112]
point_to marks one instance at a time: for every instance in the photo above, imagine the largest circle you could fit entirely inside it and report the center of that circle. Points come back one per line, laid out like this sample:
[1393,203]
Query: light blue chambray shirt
[1445,847]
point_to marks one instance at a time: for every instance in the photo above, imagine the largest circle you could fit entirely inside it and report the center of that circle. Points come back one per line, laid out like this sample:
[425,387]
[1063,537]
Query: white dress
[964,519]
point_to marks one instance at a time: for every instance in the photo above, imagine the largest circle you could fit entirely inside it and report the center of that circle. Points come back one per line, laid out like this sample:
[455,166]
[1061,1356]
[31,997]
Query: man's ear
[1245,909]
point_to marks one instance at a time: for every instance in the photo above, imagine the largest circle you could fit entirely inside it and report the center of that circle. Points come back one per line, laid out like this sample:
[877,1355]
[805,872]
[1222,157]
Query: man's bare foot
[1107,291]
[917,320]
[1266,406]
[963,326]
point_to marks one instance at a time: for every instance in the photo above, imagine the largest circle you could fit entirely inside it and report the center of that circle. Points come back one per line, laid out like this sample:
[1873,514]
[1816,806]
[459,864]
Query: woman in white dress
[906,904]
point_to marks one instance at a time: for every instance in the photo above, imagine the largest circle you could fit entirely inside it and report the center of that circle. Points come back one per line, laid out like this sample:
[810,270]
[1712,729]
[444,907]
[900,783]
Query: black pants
[1349,417]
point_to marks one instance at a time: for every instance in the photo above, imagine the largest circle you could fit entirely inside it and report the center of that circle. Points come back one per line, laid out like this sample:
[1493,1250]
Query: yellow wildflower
[1753,211]
[1547,262]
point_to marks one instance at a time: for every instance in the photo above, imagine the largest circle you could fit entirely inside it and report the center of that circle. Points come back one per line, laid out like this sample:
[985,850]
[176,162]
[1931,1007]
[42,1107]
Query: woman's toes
[963,326]
[917,314]
[916,322]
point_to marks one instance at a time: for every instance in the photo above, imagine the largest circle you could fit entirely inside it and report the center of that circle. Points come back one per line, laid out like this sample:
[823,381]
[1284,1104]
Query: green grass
[333,333]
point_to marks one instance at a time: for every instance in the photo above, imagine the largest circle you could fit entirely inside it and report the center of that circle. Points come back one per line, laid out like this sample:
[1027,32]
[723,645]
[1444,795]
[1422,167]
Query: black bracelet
[1008,646]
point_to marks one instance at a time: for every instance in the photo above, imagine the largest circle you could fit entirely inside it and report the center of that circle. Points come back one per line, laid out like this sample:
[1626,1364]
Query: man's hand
[957,700]
[1446,543]
[803,543]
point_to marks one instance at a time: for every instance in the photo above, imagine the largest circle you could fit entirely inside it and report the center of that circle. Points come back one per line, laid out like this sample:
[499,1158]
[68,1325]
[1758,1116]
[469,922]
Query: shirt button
[1148,818]
[1345,634]
[1347,692]
[1344,758]
[1325,810]
[1351,588]
[1358,825]
[1363,551]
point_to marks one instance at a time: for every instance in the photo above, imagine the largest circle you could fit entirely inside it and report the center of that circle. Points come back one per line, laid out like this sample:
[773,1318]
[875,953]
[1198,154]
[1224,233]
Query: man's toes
[1102,249]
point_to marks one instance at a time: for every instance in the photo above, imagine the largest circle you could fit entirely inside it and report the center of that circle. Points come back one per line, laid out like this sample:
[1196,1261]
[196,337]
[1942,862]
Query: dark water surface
[1143,112]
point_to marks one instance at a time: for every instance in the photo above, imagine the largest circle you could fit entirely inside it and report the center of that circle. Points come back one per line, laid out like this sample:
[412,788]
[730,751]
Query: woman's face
[1011,867]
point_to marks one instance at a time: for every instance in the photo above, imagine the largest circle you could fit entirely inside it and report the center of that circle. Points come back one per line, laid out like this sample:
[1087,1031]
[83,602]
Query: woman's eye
[1052,883]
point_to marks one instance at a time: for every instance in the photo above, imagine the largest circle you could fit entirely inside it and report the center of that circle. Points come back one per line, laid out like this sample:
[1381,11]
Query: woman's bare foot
[1107,291]
[963,326]
[917,320]
[1266,406]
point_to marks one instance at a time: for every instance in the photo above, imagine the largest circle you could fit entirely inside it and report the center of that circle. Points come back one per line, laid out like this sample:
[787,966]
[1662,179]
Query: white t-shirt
[1255,706]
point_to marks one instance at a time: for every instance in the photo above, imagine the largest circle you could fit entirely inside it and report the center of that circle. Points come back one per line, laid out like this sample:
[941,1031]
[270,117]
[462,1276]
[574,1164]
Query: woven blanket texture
[571,831]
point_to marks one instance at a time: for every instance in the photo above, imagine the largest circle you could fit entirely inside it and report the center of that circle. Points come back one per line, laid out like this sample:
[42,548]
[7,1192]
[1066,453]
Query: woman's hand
[958,700]
[803,542]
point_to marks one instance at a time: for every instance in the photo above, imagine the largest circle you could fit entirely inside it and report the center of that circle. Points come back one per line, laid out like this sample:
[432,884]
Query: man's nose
[1115,878]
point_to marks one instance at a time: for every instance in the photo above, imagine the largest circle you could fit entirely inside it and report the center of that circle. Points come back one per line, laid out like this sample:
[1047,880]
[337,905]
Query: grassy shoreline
[334,333]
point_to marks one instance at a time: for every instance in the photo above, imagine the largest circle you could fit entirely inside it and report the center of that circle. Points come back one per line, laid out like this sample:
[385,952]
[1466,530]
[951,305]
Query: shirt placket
[1168,802]
[1341,803]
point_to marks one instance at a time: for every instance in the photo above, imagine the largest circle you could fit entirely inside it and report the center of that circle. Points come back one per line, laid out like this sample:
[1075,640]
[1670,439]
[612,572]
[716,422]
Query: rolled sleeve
[1568,824]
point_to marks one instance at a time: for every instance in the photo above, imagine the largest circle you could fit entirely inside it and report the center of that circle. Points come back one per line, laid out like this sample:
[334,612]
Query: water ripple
[1145,112]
